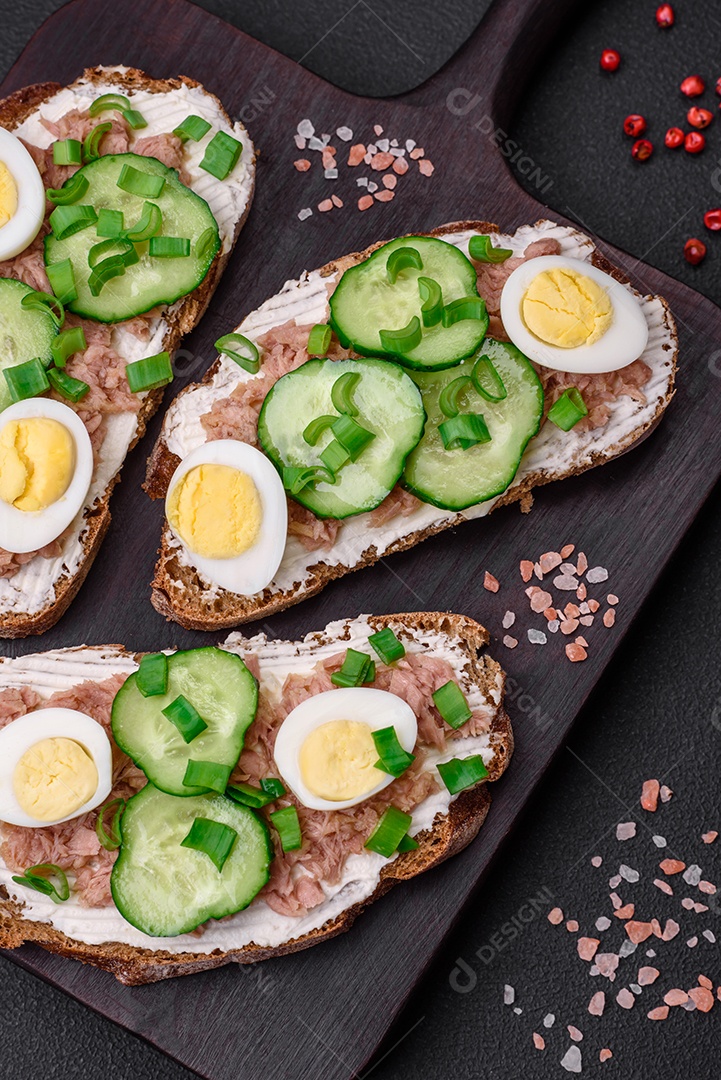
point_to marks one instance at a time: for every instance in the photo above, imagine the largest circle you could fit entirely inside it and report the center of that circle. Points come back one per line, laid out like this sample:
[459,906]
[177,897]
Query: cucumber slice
[456,479]
[365,302]
[165,889]
[150,281]
[218,685]
[387,403]
[24,332]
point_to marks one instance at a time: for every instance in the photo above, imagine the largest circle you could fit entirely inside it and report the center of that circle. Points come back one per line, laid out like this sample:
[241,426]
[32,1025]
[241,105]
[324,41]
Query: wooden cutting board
[324,1012]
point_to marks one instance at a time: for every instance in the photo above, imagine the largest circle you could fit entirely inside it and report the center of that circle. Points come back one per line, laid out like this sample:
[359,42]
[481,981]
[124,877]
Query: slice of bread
[178,590]
[447,825]
[41,591]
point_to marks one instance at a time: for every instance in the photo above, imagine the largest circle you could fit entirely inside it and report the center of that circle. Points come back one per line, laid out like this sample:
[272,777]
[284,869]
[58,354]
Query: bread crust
[449,834]
[181,318]
[178,592]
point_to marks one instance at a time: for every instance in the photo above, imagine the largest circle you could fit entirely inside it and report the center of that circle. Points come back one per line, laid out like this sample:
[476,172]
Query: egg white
[623,342]
[17,737]
[376,708]
[27,530]
[24,225]
[250,572]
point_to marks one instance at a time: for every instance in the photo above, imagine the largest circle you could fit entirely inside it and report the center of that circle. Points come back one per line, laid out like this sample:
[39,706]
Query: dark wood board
[324,1012]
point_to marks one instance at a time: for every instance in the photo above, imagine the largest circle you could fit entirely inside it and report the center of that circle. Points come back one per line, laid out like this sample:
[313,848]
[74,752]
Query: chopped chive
[213,838]
[65,385]
[193,128]
[169,247]
[353,669]
[241,349]
[393,758]
[112,267]
[342,390]
[134,119]
[568,409]
[148,224]
[91,142]
[73,189]
[334,456]
[484,366]
[248,795]
[207,774]
[351,435]
[385,643]
[295,479]
[461,773]
[403,258]
[65,221]
[185,718]
[273,786]
[138,182]
[62,280]
[466,307]
[450,701]
[464,431]
[316,427]
[37,878]
[404,340]
[221,155]
[112,839]
[431,301]
[67,152]
[481,249]
[448,400]
[207,239]
[66,344]
[42,301]
[110,223]
[151,678]
[108,101]
[407,843]
[26,380]
[288,826]
[150,373]
[389,832]
[319,339]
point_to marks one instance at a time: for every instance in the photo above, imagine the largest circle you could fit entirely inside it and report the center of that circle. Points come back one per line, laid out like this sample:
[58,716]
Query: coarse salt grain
[490,582]
[537,637]
[565,582]
[553,626]
[305,129]
[660,841]
[597,1004]
[539,600]
[609,617]
[555,916]
[605,1054]
[315,143]
[508,620]
[549,561]
[538,1041]
[602,922]
[302,164]
[663,886]
[675,997]
[336,201]
[692,874]
[709,837]
[356,154]
[510,642]
[384,195]
[576,653]
[549,1020]
[659,1013]
[344,133]
[426,168]
[666,794]
[647,975]
[572,1060]
[572,926]
[672,866]
[710,936]
[390,181]
[597,860]
[575,1034]
[567,550]
[587,947]
[526,567]
[612,599]
[509,995]
[625,999]
[305,213]
[365,202]
[649,795]
[400,166]
[597,574]
[325,205]
[331,174]
[626,830]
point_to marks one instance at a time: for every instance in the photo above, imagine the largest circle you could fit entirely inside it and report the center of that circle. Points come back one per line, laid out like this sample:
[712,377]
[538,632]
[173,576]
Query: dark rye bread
[183,317]
[178,592]
[450,834]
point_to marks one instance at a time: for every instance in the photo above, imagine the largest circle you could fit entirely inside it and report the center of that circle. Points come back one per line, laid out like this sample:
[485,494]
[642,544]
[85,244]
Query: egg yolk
[54,778]
[216,511]
[37,460]
[8,195]
[566,309]
[337,760]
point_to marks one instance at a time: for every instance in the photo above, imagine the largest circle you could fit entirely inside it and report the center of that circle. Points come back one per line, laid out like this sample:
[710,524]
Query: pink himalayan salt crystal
[666,793]
[538,1041]
[663,886]
[596,860]
[675,997]
[659,1013]
[625,999]
[649,795]
[670,930]
[587,947]
[605,1054]
[606,963]
[597,1003]
[555,916]
[647,975]
[572,926]
[575,1034]
[709,837]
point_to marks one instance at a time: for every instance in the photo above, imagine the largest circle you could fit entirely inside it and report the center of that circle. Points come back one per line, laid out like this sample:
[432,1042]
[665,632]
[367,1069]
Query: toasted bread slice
[178,590]
[36,596]
[443,825]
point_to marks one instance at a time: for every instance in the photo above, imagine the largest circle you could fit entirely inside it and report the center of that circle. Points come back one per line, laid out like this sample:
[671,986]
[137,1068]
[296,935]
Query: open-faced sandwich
[121,197]
[164,814]
[396,393]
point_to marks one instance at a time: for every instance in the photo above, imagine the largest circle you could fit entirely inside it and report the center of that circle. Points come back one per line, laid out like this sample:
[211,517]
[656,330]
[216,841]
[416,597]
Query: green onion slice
[389,832]
[112,267]
[568,409]
[65,385]
[370,675]
[169,247]
[451,703]
[353,669]
[66,344]
[204,242]
[466,307]
[37,878]
[485,368]
[62,281]
[241,349]
[448,400]
[432,301]
[335,456]
[248,795]
[387,646]
[213,838]
[150,373]
[319,339]
[134,119]
[148,225]
[67,220]
[193,127]
[151,678]
[342,390]
[295,479]
[185,718]
[67,152]
[404,340]
[120,247]
[112,838]
[207,774]
[273,786]
[110,223]
[402,258]
[26,380]
[288,826]
[464,431]
[481,249]
[73,189]
[221,155]
[461,773]
[316,428]
[42,301]
[351,435]
[91,143]
[138,182]
[407,843]
[108,101]
[393,758]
